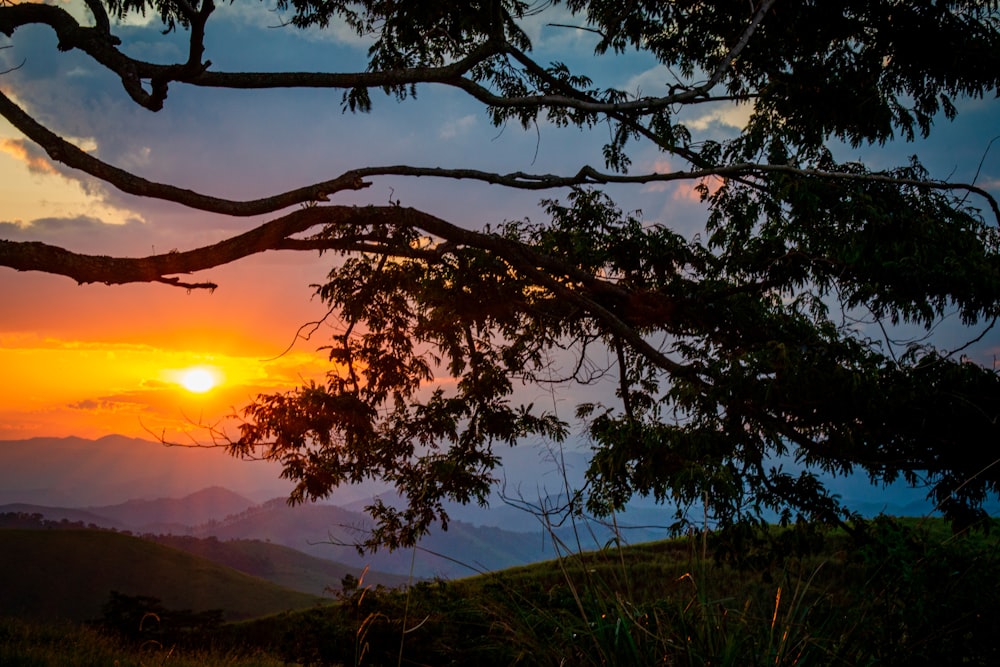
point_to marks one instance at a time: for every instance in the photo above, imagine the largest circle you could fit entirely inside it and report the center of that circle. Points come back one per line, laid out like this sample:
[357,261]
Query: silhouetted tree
[733,352]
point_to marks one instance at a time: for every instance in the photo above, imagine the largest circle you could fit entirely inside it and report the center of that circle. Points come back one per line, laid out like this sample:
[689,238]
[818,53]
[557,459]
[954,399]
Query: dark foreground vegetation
[68,574]
[903,592]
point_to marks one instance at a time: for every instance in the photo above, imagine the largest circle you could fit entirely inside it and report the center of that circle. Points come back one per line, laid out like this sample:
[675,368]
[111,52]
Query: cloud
[458,127]
[728,115]
[659,167]
[691,190]
[253,15]
[33,188]
[648,83]
[29,154]
[990,184]
[115,233]
[557,29]
[108,405]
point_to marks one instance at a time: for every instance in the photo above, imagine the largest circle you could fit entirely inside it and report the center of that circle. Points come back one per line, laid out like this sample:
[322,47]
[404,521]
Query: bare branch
[101,46]
[35,256]
[67,153]
[101,20]
[63,151]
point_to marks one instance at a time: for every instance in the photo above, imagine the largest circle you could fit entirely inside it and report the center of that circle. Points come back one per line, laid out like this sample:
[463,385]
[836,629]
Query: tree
[735,353]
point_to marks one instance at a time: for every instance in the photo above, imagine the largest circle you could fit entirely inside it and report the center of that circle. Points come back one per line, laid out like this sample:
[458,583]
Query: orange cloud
[692,191]
[659,167]
[22,150]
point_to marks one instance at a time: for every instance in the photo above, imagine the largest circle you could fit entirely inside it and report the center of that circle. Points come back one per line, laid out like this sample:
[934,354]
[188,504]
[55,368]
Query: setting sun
[198,380]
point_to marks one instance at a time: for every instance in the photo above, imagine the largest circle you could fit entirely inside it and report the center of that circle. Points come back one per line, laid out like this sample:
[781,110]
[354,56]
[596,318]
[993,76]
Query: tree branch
[35,256]
[100,45]
[63,151]
[547,271]
[67,153]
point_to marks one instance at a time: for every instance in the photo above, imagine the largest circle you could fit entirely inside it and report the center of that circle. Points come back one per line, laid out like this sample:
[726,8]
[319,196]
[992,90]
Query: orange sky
[92,360]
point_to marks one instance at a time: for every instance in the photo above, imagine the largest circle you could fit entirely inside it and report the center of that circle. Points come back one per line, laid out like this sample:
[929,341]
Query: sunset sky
[93,360]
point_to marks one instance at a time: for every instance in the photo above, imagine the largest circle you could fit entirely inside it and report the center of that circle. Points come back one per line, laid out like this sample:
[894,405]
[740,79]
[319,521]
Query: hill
[276,563]
[911,593]
[69,574]
[324,532]
[328,531]
[160,515]
[155,515]
[27,516]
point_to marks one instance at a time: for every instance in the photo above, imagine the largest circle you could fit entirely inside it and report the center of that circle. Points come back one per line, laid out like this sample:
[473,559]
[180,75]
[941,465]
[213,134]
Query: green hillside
[68,574]
[277,563]
[905,593]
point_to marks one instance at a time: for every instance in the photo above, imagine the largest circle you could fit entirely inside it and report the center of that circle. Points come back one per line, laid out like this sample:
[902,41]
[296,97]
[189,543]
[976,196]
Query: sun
[198,380]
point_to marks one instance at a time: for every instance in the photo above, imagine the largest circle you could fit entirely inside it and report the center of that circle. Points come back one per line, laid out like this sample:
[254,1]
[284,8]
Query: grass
[28,644]
[909,593]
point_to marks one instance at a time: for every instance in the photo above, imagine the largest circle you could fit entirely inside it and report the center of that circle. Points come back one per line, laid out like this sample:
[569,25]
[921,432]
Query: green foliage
[933,601]
[758,371]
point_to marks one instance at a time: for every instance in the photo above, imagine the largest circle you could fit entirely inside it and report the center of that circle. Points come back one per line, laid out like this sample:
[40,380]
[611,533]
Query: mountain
[162,515]
[325,532]
[328,531]
[69,574]
[150,516]
[76,472]
[142,486]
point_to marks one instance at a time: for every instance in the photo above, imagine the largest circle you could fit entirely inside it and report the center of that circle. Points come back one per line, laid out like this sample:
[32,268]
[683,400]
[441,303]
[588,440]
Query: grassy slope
[277,563]
[911,595]
[31,644]
[68,574]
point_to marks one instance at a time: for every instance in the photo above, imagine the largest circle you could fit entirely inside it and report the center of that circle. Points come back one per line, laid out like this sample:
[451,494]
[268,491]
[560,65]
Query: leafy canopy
[758,348]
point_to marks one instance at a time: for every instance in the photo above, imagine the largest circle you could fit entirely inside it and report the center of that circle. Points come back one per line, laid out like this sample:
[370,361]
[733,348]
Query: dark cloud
[108,405]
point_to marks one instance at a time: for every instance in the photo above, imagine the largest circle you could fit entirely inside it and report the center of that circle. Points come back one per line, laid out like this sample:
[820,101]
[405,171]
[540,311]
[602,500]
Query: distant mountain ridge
[190,491]
[193,509]
[329,531]
[321,531]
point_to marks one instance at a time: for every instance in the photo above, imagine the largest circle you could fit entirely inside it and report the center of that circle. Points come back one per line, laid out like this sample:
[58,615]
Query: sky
[93,360]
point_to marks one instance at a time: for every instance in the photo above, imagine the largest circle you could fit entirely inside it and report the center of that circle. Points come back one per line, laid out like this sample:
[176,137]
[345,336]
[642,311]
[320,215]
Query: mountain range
[143,487]
[321,531]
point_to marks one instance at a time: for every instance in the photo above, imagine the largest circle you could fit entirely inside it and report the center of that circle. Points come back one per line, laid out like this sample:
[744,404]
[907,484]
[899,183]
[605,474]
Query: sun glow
[54,387]
[198,380]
